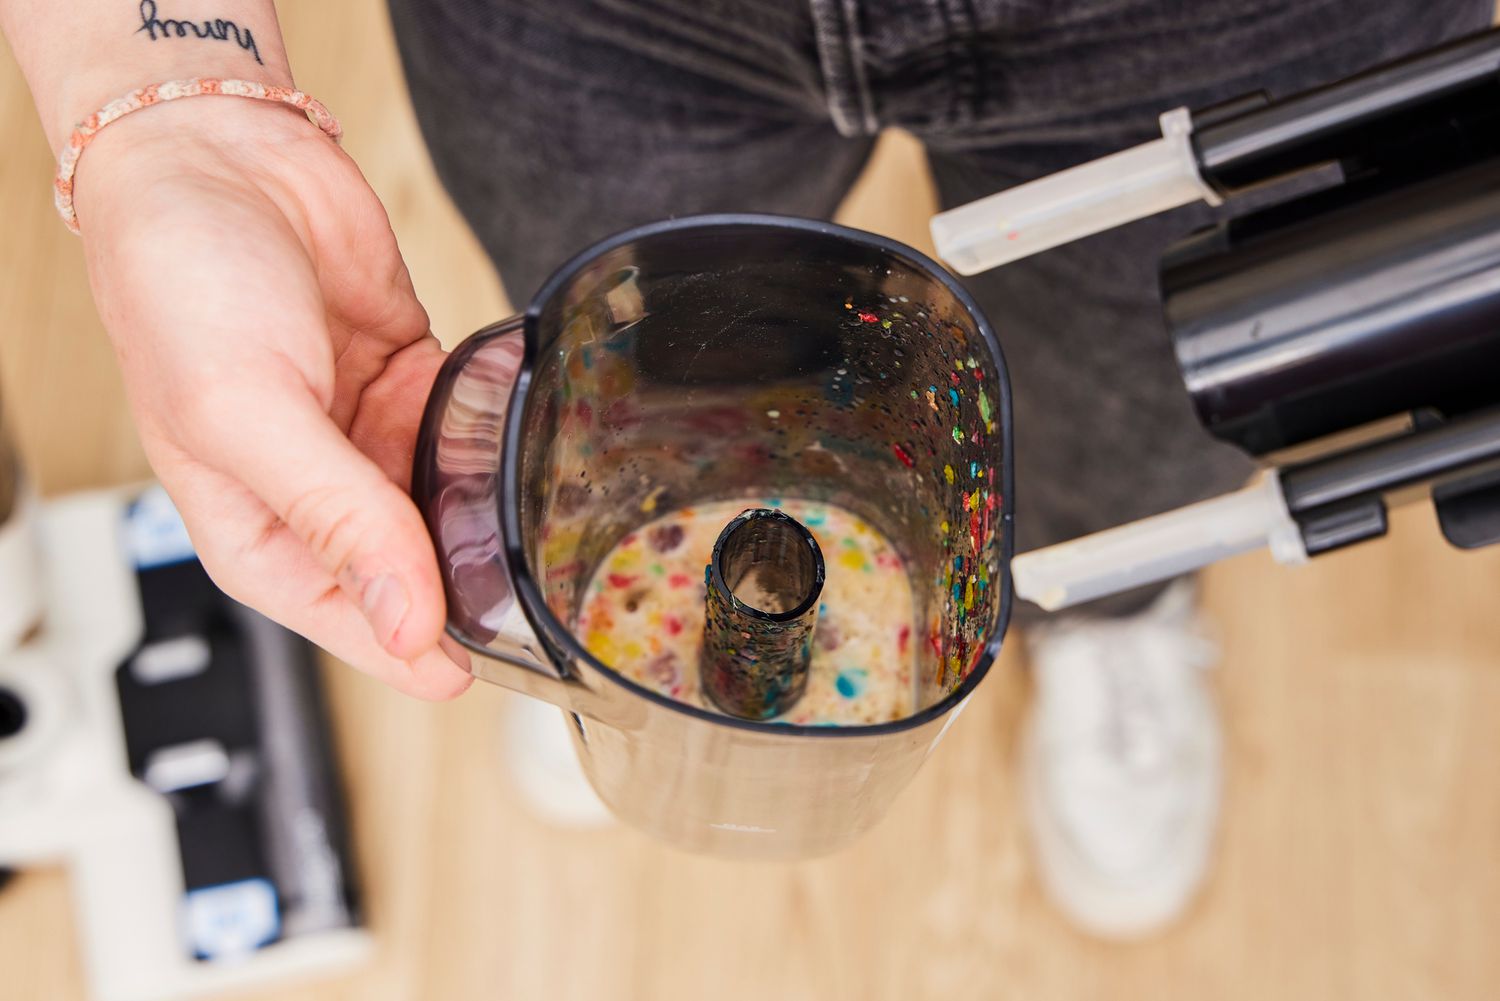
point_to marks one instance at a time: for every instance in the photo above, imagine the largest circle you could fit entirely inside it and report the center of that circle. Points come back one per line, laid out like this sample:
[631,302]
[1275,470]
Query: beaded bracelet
[157,93]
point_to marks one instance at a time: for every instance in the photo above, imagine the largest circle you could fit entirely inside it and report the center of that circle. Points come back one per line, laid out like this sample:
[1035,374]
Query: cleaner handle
[1161,547]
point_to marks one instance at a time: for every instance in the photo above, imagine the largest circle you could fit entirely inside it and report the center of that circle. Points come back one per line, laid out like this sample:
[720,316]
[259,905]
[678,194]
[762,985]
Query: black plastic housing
[1438,107]
[1339,309]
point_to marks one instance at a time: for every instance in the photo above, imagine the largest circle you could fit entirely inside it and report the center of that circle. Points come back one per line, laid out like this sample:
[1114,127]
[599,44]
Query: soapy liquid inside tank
[644,612]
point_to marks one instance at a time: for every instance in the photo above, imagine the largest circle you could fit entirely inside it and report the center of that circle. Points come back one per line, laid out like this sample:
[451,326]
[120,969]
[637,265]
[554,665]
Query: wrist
[87,95]
[205,140]
[217,123]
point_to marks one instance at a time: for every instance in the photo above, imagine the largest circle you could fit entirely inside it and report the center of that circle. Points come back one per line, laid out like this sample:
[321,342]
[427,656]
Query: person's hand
[277,362]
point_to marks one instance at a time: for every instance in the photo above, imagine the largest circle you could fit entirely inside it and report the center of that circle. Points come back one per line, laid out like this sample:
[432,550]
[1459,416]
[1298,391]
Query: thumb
[361,528]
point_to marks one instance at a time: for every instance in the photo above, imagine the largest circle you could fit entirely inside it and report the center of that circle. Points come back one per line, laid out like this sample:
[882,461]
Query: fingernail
[385,604]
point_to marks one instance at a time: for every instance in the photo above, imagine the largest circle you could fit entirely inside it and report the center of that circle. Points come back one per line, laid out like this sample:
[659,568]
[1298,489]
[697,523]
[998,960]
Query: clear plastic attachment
[1161,547]
[1074,203]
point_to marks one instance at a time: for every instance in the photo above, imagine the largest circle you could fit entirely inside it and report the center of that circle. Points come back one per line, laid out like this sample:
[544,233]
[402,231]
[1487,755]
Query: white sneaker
[1121,765]
[539,754]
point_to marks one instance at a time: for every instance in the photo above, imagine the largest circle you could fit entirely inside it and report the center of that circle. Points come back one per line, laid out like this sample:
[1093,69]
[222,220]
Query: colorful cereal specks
[854,560]
[647,620]
[664,538]
[948,473]
[901,453]
[958,434]
[851,683]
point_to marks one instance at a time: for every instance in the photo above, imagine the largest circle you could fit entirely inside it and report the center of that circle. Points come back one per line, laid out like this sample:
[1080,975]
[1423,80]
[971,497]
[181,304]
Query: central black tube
[764,580]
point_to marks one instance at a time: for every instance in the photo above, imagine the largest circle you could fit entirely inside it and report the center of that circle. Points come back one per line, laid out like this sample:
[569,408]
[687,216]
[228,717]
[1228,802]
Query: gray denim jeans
[554,123]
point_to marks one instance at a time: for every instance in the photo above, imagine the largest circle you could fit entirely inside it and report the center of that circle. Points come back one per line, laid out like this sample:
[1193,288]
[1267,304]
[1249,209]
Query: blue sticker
[231,919]
[154,533]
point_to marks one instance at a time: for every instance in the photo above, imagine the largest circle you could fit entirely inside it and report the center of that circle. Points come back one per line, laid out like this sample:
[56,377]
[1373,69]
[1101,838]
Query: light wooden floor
[1361,847]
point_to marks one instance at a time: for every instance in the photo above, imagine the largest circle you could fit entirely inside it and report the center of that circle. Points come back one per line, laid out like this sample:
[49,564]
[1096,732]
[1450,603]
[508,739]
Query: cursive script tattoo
[217,29]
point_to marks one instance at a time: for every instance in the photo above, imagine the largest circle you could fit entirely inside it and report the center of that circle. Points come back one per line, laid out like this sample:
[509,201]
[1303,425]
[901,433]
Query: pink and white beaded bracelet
[157,93]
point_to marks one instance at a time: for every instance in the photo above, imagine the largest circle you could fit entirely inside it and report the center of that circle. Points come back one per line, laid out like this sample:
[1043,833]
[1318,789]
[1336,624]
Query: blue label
[154,533]
[231,919]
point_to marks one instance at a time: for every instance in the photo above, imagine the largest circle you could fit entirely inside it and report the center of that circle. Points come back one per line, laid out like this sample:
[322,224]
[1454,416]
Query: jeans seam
[856,59]
[976,85]
[850,103]
[950,56]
